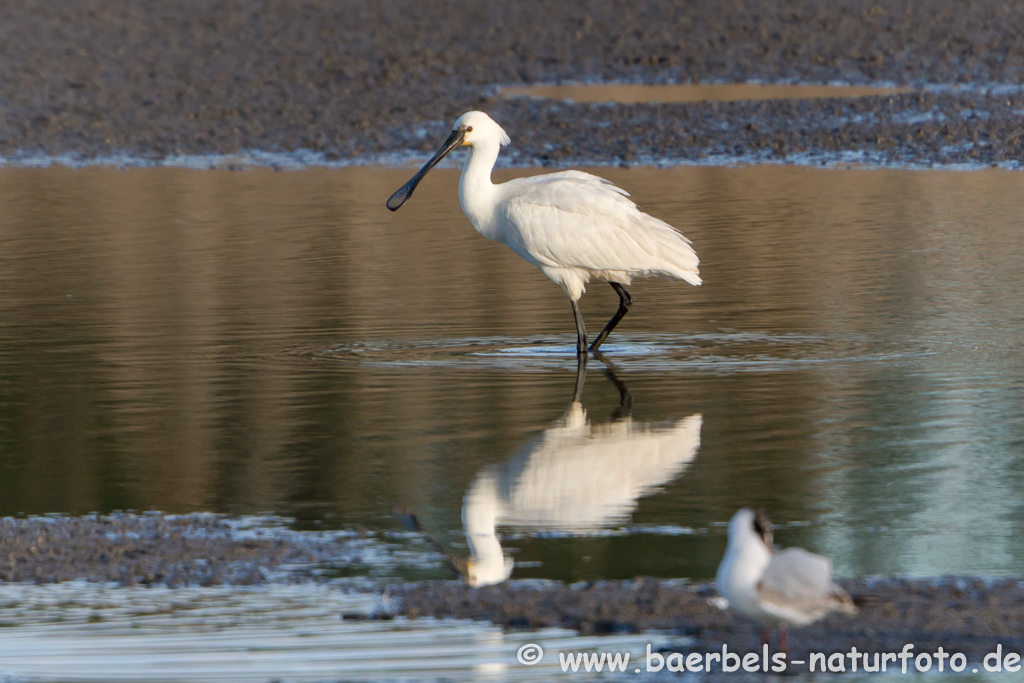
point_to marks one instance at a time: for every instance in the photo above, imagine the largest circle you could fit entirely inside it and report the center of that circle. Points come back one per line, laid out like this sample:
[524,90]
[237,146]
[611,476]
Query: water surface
[85,632]
[249,342]
[695,92]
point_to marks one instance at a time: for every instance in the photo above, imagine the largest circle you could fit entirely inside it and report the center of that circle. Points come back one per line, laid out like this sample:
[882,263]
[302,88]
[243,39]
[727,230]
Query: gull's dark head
[763,527]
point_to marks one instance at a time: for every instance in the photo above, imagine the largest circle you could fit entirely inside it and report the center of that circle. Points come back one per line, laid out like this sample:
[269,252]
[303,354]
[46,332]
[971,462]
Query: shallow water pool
[257,341]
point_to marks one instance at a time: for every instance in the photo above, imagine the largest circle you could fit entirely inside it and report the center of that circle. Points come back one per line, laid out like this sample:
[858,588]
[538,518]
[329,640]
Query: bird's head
[477,128]
[488,573]
[473,128]
[756,522]
[763,527]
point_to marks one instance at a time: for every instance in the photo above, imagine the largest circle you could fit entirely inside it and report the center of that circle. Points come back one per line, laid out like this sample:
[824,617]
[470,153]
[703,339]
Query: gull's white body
[574,226]
[575,478]
[791,587]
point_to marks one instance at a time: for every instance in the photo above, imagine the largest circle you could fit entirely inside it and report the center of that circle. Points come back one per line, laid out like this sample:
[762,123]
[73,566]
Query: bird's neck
[481,509]
[477,194]
[485,551]
[749,558]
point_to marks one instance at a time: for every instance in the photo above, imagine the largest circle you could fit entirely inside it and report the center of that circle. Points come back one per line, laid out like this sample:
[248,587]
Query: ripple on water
[80,631]
[726,351]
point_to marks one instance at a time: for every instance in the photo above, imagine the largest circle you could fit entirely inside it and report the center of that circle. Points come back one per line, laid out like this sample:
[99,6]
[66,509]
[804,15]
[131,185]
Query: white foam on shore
[307,159]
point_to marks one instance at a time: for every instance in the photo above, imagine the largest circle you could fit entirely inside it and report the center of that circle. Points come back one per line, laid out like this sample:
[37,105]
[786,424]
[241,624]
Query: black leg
[625,301]
[625,398]
[581,377]
[581,330]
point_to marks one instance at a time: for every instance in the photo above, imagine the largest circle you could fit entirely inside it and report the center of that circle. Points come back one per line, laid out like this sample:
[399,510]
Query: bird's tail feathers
[864,599]
[670,246]
[844,603]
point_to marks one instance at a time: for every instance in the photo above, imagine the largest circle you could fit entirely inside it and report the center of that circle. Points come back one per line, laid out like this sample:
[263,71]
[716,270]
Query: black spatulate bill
[405,191]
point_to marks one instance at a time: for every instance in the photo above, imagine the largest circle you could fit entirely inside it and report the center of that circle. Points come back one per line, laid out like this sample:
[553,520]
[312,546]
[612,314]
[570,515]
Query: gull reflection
[576,477]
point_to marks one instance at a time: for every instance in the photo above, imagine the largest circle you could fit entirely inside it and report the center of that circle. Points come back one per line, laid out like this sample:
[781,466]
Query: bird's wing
[547,179]
[575,219]
[594,478]
[800,582]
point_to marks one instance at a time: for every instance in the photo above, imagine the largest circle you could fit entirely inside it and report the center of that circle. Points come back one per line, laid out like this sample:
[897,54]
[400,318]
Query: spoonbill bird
[791,587]
[577,477]
[574,226]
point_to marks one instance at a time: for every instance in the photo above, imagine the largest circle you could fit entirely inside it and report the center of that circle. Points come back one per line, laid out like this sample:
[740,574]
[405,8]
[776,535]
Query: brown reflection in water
[695,92]
[250,341]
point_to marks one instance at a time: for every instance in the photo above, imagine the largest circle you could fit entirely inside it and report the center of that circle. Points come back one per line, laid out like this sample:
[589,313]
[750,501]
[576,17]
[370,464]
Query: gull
[790,587]
[576,478]
[572,225]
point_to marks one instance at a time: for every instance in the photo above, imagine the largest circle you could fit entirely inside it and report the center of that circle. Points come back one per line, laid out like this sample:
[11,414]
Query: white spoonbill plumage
[790,587]
[577,478]
[572,225]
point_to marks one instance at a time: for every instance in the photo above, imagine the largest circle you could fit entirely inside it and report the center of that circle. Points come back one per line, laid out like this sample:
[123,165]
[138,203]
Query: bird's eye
[469,129]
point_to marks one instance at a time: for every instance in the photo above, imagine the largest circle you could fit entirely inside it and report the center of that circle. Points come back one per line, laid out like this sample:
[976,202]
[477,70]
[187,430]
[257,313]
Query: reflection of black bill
[405,191]
[410,522]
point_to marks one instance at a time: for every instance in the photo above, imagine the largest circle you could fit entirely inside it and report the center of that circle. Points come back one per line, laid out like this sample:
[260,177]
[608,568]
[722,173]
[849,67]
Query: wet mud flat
[966,615]
[361,80]
[177,550]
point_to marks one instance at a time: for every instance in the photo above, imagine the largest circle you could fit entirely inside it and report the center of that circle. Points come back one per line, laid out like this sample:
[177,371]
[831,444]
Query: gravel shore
[969,615]
[356,80]
[965,615]
[174,550]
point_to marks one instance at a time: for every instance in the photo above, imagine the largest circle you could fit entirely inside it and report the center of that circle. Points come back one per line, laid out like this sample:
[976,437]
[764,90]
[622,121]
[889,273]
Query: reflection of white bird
[791,587]
[574,226]
[577,477]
